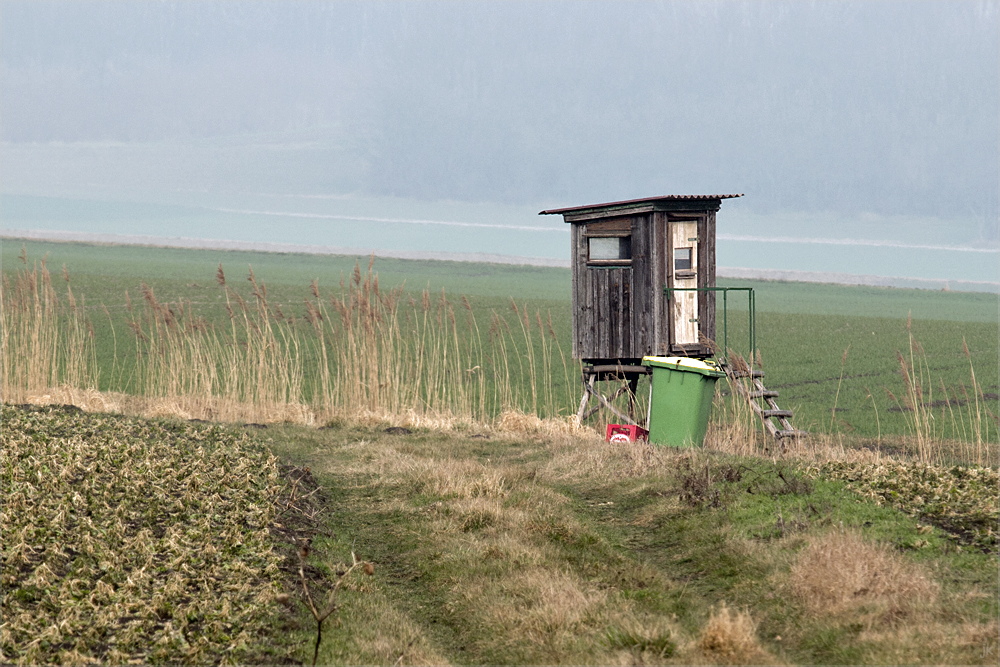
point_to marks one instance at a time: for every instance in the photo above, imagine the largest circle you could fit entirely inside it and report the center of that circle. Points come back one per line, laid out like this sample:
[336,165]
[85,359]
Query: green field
[803,329]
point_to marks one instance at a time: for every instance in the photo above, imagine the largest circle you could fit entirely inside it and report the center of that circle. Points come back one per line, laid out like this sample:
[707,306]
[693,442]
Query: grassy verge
[546,548]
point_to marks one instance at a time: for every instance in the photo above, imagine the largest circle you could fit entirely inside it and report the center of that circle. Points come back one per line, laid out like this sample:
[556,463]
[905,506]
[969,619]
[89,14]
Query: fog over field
[864,134]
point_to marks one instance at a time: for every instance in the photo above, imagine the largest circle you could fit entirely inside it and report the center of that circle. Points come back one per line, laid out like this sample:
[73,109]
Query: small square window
[682,259]
[610,248]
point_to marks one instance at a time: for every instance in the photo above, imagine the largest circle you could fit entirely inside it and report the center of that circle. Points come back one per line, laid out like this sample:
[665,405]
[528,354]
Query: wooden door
[683,266]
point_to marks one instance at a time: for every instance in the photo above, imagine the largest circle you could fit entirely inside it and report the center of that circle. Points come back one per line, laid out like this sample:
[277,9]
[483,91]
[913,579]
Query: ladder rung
[756,391]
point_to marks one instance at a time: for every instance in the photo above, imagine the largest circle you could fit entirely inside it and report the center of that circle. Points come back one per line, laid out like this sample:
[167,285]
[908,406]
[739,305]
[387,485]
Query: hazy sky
[891,108]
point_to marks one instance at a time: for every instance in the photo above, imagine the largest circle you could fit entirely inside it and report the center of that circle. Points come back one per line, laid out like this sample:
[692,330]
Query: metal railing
[751,306]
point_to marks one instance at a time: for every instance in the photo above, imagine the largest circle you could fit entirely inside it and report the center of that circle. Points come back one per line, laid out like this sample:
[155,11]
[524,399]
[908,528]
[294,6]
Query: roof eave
[648,204]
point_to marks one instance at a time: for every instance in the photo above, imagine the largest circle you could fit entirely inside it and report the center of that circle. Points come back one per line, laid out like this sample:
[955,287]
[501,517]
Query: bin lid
[684,364]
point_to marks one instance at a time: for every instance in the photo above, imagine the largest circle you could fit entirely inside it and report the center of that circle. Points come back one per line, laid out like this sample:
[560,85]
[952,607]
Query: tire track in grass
[639,546]
[389,539]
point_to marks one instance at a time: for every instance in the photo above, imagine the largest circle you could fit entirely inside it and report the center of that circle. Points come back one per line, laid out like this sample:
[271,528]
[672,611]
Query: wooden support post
[588,389]
[614,410]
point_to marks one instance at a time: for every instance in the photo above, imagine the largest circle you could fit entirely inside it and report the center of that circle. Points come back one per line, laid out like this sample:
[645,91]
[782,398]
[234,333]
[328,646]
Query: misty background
[865,135]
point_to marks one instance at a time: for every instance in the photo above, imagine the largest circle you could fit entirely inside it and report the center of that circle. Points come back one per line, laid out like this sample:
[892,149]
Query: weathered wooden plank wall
[605,322]
[608,331]
[660,310]
[641,317]
[579,305]
[621,311]
[706,275]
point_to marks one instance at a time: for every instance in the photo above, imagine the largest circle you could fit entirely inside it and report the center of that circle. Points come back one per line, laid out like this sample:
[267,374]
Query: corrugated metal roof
[637,202]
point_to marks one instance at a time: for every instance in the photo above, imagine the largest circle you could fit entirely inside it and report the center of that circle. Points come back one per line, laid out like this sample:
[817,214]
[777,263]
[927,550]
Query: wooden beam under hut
[626,374]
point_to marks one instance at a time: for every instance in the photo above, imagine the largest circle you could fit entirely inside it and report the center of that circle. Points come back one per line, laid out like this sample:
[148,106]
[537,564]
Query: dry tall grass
[964,411]
[182,358]
[371,354]
[842,571]
[363,352]
[377,354]
[730,638]
[735,428]
[963,428]
[46,340]
[385,352]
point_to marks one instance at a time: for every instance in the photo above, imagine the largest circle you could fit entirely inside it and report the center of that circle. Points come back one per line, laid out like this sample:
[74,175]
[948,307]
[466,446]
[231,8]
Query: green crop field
[833,352]
[495,537]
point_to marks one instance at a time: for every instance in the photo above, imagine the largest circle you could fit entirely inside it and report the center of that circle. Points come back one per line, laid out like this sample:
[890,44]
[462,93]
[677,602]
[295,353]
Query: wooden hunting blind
[641,269]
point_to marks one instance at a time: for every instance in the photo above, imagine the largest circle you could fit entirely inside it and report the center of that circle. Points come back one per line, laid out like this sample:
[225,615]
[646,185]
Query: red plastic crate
[624,433]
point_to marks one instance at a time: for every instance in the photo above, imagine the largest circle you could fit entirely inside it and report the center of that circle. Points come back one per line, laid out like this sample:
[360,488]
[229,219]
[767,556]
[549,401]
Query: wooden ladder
[760,398]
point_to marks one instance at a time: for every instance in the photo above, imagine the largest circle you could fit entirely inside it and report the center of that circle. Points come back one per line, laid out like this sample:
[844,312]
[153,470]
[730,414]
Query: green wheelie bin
[681,399]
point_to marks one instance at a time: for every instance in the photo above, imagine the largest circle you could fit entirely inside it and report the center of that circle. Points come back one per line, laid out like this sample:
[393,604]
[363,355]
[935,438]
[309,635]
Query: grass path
[549,549]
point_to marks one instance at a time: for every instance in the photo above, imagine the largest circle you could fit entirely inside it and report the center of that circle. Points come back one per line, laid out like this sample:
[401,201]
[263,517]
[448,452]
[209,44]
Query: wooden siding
[608,332]
[660,309]
[611,309]
[612,226]
[641,317]
[580,314]
[621,311]
[706,276]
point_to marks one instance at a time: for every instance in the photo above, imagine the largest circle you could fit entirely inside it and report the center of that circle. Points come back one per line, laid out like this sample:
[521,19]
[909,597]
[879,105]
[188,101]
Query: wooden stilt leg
[614,410]
[588,388]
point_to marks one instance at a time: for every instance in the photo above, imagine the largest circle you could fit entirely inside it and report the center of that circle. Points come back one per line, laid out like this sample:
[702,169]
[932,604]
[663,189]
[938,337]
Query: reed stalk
[735,426]
[45,342]
[836,398]
[363,350]
[878,423]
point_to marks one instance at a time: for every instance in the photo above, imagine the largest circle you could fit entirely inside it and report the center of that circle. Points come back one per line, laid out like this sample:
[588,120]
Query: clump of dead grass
[815,447]
[222,409]
[588,455]
[512,550]
[841,571]
[518,422]
[388,636]
[730,638]
[463,478]
[539,604]
[88,400]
